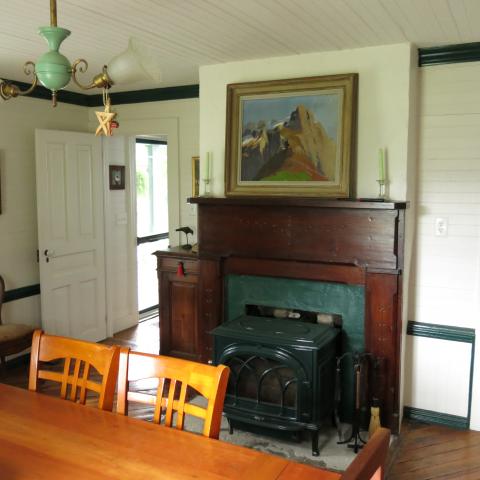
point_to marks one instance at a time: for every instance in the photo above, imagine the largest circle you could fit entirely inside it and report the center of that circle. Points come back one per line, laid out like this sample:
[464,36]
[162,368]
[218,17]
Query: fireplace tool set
[362,364]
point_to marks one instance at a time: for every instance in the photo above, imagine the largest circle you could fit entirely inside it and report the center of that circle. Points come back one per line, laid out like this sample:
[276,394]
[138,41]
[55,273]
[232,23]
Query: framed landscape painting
[291,137]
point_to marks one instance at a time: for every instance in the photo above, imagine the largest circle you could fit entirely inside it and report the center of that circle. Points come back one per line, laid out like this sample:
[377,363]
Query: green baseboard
[437,418]
[441,332]
[22,292]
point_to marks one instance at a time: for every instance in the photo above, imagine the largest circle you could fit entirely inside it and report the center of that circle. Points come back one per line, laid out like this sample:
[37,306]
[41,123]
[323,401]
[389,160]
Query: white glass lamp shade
[136,63]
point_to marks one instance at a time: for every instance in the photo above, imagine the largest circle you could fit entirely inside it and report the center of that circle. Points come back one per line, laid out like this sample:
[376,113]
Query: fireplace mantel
[352,242]
[367,234]
[299,202]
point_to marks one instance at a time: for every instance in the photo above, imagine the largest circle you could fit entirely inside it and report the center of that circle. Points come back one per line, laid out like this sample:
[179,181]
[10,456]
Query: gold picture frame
[195,176]
[293,137]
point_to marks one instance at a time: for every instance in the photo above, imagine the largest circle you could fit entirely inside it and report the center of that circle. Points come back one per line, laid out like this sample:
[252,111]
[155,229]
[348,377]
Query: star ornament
[105,120]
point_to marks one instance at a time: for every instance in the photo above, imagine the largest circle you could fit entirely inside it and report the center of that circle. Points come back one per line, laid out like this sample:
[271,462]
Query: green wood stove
[282,373]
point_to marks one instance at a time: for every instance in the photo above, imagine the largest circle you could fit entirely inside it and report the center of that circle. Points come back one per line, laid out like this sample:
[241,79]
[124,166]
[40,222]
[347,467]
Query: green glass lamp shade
[52,68]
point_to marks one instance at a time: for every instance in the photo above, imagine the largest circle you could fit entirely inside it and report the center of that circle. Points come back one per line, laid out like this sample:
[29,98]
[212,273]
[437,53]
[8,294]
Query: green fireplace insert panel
[324,297]
[345,300]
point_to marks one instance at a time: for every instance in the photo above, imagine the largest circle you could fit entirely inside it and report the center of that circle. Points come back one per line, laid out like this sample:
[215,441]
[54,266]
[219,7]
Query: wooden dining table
[44,437]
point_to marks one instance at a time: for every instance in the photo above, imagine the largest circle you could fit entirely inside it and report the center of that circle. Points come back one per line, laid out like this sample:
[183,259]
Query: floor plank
[432,452]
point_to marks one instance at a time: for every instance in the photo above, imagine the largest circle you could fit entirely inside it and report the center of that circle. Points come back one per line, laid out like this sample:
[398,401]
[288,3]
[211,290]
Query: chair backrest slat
[76,373]
[369,464]
[65,382]
[84,355]
[159,401]
[58,377]
[84,385]
[176,376]
[180,406]
[170,398]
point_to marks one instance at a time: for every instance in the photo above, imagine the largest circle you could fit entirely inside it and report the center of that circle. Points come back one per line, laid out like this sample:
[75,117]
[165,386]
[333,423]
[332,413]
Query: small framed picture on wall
[117,177]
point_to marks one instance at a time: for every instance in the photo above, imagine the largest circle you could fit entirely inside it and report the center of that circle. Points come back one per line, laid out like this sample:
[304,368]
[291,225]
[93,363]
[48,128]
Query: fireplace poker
[358,359]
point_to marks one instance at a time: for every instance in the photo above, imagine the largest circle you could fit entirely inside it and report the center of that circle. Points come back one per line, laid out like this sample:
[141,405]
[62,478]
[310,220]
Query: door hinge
[38,255]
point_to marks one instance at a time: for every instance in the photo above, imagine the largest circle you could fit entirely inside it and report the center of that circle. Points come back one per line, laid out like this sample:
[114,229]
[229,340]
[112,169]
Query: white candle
[207,166]
[381,164]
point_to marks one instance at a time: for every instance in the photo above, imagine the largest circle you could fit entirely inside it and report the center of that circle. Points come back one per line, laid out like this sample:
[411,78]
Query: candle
[381,164]
[207,166]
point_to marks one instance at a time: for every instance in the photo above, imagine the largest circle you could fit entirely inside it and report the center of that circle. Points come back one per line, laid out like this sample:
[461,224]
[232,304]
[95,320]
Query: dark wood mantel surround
[342,241]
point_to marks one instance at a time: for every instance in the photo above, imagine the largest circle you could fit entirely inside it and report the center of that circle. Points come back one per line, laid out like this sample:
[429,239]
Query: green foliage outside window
[141,183]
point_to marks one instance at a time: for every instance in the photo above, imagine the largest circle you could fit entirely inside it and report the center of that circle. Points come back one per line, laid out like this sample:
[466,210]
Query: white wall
[120,259]
[18,222]
[383,106]
[410,217]
[386,118]
[18,228]
[178,121]
[437,375]
[446,280]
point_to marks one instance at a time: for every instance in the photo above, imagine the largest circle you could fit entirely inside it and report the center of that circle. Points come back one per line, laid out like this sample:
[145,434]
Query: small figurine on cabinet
[186,231]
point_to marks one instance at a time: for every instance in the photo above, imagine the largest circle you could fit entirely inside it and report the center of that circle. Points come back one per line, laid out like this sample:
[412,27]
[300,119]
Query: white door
[71,234]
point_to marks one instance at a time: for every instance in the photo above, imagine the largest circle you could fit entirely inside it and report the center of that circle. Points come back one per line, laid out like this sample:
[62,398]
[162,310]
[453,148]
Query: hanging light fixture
[54,71]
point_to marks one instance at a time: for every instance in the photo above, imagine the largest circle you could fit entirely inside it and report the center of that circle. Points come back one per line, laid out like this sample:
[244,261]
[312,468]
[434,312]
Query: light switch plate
[441,227]
[121,218]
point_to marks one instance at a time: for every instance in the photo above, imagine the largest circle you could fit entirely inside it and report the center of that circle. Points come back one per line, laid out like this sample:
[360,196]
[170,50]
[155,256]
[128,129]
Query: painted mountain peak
[296,149]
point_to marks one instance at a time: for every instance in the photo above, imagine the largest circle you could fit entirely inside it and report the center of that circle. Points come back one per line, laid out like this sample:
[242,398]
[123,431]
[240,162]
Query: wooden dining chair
[369,464]
[14,338]
[83,363]
[175,377]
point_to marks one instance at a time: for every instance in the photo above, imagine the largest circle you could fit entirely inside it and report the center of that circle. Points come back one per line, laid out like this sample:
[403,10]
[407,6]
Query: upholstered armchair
[14,338]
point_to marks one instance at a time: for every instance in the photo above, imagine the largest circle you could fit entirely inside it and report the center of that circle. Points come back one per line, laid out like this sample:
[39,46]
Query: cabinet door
[179,318]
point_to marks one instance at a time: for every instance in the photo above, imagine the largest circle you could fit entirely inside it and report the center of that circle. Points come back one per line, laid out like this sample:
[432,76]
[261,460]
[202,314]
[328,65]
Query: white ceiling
[188,33]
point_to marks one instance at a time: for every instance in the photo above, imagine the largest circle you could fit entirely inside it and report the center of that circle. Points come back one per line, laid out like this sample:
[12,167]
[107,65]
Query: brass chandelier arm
[10,90]
[53,13]
[102,80]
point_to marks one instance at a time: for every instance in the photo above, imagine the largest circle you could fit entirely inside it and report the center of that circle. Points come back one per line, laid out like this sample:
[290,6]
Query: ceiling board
[185,34]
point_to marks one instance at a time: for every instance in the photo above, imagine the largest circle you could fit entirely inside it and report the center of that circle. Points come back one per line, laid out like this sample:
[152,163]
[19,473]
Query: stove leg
[230,428]
[315,451]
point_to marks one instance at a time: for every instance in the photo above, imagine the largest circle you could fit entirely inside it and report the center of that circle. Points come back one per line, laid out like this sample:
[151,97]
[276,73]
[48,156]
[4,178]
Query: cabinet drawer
[171,265]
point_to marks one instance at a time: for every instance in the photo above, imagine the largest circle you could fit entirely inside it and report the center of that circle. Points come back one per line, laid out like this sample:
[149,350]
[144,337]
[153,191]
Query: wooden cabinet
[178,281]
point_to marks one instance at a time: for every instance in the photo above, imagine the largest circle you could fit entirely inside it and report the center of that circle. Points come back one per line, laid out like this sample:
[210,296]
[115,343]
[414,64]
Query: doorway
[151,177]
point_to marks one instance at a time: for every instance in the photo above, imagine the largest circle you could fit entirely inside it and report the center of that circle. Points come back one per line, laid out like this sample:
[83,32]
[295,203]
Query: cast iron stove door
[266,386]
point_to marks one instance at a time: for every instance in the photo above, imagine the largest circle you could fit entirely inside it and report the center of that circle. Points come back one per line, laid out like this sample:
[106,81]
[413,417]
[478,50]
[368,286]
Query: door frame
[130,129]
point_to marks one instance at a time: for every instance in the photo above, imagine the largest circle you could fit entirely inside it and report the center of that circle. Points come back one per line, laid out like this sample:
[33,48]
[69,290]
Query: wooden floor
[422,452]
[143,338]
[429,452]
